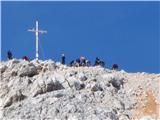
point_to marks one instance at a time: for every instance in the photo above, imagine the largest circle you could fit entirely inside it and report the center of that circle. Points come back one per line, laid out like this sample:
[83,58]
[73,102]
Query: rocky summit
[46,90]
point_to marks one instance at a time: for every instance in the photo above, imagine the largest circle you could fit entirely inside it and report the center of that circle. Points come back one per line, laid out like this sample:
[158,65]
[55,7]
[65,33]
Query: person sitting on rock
[25,58]
[97,61]
[72,63]
[82,61]
[77,62]
[114,67]
[9,55]
[88,63]
[102,63]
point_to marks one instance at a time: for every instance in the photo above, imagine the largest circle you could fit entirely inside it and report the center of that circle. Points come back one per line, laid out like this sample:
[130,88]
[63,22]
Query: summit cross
[37,31]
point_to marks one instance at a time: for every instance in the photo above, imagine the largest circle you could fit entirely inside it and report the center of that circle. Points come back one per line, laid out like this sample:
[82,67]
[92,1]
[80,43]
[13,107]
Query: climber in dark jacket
[63,59]
[72,63]
[97,61]
[9,55]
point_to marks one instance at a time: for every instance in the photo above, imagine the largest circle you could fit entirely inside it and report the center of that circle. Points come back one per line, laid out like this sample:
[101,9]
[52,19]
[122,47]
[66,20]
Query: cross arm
[42,31]
[31,30]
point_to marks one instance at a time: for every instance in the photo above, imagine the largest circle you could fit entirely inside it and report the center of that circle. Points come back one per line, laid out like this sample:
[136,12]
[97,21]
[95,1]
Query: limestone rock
[45,90]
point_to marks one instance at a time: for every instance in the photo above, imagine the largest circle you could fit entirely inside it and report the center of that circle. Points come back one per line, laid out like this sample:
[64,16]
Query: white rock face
[46,90]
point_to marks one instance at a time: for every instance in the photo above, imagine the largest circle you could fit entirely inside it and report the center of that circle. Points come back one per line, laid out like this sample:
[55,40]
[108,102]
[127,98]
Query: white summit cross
[36,33]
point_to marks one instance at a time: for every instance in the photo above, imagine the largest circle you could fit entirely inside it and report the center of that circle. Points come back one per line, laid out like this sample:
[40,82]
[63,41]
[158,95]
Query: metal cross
[36,33]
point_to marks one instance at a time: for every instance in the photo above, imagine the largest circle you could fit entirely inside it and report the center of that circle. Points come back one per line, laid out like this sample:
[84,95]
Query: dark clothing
[78,61]
[83,62]
[114,67]
[97,61]
[25,58]
[63,60]
[72,63]
[9,55]
[102,63]
[88,63]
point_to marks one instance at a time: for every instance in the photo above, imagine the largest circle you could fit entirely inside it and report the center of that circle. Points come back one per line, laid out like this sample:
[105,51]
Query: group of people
[82,61]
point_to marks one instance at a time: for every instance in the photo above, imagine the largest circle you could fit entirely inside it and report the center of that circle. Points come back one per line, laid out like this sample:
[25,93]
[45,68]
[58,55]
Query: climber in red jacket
[25,58]
[114,67]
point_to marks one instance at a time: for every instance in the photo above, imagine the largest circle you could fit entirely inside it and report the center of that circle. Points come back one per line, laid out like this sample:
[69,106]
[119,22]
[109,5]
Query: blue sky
[126,33]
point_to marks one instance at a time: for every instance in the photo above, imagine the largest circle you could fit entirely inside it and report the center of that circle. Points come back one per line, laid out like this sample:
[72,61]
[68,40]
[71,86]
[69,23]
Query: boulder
[27,70]
[3,68]
[117,82]
[46,85]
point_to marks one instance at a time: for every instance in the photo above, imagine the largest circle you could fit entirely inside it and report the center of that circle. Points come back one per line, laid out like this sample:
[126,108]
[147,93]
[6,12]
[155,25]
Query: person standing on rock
[63,59]
[9,55]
